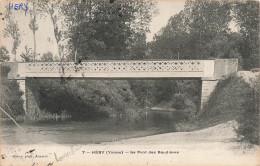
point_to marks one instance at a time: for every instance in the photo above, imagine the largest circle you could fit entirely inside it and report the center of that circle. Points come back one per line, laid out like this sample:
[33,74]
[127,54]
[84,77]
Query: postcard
[129,82]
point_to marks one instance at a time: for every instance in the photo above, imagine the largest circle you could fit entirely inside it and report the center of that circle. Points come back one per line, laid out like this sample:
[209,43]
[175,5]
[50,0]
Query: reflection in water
[73,132]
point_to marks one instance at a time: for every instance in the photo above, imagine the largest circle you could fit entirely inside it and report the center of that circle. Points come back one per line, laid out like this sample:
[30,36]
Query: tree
[138,48]
[164,90]
[206,19]
[27,55]
[34,27]
[86,100]
[248,121]
[140,26]
[103,30]
[143,91]
[52,9]
[10,93]
[247,16]
[12,30]
[200,31]
[4,54]
[47,57]
[173,41]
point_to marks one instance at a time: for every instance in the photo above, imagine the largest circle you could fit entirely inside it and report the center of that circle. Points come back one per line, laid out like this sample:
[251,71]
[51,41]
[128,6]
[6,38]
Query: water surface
[73,132]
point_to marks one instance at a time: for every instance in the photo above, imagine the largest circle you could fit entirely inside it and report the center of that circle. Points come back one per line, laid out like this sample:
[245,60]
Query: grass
[42,116]
[18,118]
[186,126]
[225,103]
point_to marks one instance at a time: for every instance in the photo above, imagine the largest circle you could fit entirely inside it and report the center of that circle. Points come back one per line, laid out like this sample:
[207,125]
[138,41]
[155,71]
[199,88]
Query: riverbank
[220,133]
[215,145]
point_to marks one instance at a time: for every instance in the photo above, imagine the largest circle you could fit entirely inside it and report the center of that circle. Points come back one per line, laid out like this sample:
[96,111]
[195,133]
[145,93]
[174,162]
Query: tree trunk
[34,46]
[34,38]
[55,29]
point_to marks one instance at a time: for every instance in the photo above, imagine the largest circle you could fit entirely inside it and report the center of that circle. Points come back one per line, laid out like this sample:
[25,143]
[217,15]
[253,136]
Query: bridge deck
[118,69]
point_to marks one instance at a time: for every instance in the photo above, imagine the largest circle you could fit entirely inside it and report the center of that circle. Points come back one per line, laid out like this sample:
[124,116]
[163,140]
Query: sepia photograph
[129,82]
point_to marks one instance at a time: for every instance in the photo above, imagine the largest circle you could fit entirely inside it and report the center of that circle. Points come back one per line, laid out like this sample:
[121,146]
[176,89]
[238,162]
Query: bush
[85,99]
[248,121]
[234,99]
[180,116]
[178,101]
[143,91]
[164,90]
[160,119]
[10,99]
[226,101]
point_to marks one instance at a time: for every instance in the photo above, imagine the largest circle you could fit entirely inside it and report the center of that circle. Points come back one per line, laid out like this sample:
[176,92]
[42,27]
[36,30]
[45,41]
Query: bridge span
[208,72]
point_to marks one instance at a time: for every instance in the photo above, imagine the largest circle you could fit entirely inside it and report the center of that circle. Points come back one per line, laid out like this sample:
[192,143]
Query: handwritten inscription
[66,154]
[19,6]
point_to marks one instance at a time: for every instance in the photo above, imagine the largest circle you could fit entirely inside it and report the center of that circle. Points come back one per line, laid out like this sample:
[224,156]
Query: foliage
[95,99]
[233,98]
[247,17]
[160,119]
[10,100]
[103,30]
[178,101]
[52,9]
[27,55]
[43,116]
[248,121]
[164,90]
[153,92]
[172,40]
[47,57]
[143,91]
[33,27]
[87,100]
[202,31]
[4,54]
[138,49]
[189,33]
[226,101]
[12,30]
[186,126]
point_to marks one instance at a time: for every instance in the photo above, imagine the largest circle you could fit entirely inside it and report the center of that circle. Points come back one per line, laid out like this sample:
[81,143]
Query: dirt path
[215,145]
[216,134]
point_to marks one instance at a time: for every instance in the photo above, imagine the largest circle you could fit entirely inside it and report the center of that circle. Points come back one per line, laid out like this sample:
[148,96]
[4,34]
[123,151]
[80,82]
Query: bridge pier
[207,87]
[30,105]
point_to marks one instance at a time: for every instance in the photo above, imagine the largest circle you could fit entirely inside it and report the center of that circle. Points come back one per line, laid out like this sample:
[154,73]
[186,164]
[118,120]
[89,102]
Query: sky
[166,10]
[45,37]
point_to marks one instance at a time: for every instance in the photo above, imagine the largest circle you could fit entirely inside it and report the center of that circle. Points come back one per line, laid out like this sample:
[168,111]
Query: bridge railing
[115,66]
[117,69]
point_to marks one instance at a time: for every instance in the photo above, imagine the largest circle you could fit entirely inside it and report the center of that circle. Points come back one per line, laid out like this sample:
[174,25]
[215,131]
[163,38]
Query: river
[73,132]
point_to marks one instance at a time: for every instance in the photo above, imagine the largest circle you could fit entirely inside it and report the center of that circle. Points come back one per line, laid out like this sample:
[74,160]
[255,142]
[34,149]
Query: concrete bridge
[208,72]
